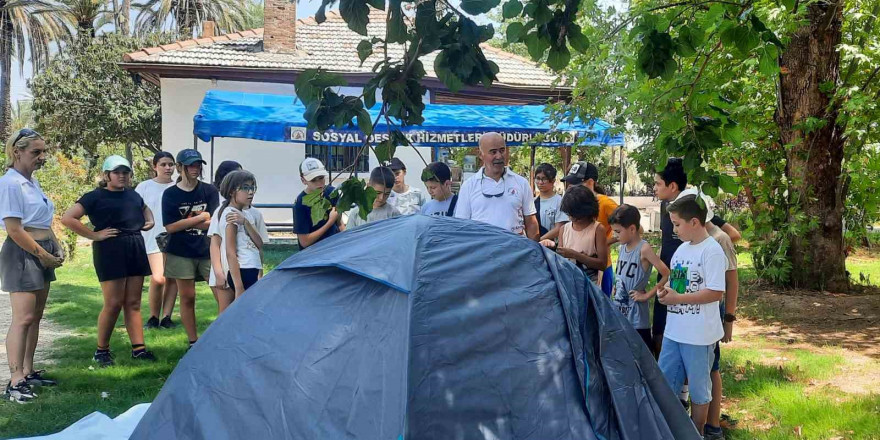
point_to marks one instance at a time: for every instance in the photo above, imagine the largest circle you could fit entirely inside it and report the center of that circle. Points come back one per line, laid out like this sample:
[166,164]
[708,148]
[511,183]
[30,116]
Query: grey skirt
[22,272]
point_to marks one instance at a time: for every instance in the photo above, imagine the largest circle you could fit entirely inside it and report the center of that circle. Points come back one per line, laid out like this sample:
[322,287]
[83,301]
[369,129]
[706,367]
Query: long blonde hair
[16,143]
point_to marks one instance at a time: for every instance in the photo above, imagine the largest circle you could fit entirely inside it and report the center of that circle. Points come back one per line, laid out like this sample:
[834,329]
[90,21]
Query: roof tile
[330,45]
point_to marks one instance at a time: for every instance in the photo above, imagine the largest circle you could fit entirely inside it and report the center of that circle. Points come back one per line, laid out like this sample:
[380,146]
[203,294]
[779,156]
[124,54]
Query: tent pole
[566,160]
[212,160]
[195,143]
[621,174]
[532,168]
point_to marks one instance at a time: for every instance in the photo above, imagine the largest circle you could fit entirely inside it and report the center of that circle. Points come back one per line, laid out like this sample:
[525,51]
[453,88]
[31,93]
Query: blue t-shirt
[433,207]
[302,217]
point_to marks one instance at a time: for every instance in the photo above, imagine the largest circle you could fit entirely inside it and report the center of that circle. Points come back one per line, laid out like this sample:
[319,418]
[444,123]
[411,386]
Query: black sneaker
[36,379]
[143,355]
[20,393]
[104,359]
[153,322]
[686,404]
[167,323]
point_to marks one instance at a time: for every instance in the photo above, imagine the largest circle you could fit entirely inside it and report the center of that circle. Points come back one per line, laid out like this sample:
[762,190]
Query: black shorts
[248,278]
[658,326]
[645,333]
[119,257]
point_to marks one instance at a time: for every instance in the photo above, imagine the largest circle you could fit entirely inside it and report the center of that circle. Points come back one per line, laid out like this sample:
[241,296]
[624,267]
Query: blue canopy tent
[279,118]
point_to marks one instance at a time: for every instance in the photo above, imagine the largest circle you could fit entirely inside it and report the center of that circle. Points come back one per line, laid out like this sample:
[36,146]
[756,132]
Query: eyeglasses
[542,179]
[248,188]
[24,132]
[489,196]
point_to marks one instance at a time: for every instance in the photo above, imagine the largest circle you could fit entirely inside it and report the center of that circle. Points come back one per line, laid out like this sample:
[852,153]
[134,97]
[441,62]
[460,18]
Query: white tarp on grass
[97,426]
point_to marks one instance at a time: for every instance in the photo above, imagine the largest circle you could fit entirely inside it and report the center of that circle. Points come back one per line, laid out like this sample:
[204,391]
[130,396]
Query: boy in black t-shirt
[315,177]
[186,213]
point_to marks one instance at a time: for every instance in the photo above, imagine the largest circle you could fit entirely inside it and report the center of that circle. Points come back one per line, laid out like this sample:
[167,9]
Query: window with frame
[337,158]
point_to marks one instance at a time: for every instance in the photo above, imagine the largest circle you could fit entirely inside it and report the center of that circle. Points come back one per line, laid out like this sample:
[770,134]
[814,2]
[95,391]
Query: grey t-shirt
[631,275]
[409,202]
[380,213]
[550,213]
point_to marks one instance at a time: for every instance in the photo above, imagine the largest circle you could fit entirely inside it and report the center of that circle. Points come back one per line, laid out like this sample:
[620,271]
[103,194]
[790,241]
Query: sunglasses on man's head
[24,132]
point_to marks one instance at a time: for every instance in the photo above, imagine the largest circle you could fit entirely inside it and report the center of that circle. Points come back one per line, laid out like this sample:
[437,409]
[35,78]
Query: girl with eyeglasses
[118,214]
[28,259]
[241,243]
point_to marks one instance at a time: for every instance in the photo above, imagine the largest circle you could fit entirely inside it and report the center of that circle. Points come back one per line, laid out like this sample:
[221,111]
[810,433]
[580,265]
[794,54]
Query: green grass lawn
[770,401]
[74,302]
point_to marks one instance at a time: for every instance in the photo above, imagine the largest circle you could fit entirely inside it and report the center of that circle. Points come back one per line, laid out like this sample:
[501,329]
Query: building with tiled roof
[268,60]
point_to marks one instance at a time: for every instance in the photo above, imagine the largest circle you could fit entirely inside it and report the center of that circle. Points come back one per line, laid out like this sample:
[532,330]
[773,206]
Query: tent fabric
[419,327]
[279,118]
[97,426]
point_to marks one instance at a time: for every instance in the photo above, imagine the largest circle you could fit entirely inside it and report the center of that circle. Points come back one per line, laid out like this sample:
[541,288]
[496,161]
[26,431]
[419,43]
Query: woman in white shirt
[28,258]
[163,291]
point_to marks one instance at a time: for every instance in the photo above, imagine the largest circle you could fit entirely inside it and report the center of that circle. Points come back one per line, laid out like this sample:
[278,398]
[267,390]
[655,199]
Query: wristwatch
[729,317]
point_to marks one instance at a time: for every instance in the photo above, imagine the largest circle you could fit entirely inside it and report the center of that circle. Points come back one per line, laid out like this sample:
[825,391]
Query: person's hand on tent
[566,252]
[548,244]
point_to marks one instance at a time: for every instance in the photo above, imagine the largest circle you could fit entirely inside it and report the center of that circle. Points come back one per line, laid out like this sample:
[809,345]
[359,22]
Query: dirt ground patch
[792,316]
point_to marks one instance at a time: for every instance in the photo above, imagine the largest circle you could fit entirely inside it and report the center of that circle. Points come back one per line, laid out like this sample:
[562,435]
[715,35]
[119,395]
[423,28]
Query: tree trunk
[5,75]
[808,125]
[124,14]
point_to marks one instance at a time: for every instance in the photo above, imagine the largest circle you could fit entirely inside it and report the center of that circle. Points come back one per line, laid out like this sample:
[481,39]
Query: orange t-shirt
[606,208]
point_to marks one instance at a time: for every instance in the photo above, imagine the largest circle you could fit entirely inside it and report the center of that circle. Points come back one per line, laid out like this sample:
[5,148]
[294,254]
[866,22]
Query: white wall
[275,164]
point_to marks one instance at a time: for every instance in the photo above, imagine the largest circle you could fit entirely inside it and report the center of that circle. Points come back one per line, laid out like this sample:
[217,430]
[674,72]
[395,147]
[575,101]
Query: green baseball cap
[113,162]
[190,156]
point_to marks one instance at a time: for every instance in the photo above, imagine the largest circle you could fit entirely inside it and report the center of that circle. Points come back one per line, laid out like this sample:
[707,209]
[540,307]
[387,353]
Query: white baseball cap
[312,168]
[709,202]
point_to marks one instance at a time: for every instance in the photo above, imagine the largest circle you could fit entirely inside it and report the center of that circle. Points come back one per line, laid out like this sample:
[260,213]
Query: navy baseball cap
[580,172]
[190,156]
[396,164]
[439,171]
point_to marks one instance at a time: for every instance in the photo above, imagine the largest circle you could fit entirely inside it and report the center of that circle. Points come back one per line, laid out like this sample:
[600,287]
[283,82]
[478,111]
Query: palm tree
[184,16]
[22,115]
[253,14]
[25,25]
[86,15]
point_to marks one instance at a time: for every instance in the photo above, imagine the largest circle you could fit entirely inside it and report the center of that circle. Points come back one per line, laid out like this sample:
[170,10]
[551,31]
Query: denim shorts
[692,362]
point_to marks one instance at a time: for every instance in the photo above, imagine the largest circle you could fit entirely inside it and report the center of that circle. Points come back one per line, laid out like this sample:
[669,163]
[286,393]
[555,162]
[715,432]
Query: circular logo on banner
[297,134]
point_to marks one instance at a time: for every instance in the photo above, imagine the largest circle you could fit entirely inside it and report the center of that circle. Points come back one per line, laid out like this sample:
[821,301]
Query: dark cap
[580,172]
[396,164]
[438,171]
[189,157]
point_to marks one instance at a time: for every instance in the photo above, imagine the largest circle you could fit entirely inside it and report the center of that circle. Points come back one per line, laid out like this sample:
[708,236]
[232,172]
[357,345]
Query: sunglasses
[489,196]
[24,132]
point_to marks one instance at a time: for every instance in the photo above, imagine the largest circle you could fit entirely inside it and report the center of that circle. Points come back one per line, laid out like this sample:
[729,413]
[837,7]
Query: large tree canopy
[84,99]
[780,91]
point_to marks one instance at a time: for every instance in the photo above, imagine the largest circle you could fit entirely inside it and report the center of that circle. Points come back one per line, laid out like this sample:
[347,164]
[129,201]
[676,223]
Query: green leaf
[444,72]
[364,49]
[742,38]
[321,15]
[558,58]
[690,38]
[365,124]
[476,7]
[514,32]
[385,150]
[768,61]
[378,4]
[789,4]
[709,189]
[655,56]
[536,44]
[396,32]
[319,206]
[427,175]
[365,200]
[728,184]
[577,39]
[356,14]
[511,9]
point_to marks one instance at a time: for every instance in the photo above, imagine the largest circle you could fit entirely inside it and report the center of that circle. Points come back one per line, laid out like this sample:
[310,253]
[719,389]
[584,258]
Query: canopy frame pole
[212,161]
[532,168]
[195,142]
[622,174]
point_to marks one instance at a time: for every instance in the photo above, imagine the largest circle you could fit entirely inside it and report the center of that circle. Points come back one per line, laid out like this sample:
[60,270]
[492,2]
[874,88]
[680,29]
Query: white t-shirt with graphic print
[694,268]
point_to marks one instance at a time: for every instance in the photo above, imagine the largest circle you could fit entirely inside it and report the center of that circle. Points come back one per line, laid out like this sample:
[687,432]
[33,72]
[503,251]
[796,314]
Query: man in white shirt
[496,195]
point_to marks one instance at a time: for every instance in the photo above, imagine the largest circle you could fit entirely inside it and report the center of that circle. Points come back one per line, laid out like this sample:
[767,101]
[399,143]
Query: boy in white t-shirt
[381,180]
[693,326]
[406,199]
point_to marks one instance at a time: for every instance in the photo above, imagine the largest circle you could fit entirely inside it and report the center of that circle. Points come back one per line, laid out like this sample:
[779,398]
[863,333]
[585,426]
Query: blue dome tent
[419,328]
